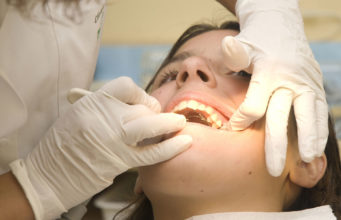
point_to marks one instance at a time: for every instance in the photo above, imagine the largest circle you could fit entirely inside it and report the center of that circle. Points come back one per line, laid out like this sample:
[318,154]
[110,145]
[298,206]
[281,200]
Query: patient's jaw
[223,171]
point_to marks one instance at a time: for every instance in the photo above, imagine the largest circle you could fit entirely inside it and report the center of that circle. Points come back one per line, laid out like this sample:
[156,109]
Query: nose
[195,69]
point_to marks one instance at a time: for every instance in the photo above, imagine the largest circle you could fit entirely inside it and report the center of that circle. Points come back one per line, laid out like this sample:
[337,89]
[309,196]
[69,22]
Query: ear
[138,186]
[308,174]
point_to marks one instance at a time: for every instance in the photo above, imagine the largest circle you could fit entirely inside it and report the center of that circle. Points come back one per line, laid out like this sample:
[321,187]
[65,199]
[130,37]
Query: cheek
[164,94]
[235,91]
[215,160]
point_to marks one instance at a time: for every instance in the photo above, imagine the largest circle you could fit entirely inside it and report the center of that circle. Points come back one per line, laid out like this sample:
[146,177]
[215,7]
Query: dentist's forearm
[13,202]
[229,4]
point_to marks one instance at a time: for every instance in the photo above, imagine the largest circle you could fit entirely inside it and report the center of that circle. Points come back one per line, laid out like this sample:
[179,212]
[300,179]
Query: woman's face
[220,165]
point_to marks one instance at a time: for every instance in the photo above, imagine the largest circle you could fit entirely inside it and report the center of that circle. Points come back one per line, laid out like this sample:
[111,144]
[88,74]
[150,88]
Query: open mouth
[197,112]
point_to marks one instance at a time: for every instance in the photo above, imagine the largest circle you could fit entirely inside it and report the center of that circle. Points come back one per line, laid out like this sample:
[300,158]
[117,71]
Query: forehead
[209,41]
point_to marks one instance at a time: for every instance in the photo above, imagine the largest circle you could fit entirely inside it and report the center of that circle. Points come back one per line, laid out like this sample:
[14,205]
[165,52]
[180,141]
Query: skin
[13,202]
[12,197]
[223,171]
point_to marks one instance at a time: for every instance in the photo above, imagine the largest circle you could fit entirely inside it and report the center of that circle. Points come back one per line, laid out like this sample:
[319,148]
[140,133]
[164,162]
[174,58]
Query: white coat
[42,56]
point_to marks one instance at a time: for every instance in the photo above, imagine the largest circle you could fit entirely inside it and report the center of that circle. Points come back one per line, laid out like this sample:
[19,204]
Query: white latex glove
[273,45]
[94,142]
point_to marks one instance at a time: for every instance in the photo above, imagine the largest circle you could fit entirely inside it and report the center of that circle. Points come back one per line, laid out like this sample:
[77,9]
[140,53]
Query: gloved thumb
[235,53]
[76,93]
[125,90]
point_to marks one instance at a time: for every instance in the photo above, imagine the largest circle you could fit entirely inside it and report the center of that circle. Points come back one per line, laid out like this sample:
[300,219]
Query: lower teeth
[198,119]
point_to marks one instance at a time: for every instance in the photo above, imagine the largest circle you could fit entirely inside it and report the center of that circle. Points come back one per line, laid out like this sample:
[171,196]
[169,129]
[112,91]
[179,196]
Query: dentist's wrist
[13,202]
[264,5]
[43,201]
[229,4]
[252,12]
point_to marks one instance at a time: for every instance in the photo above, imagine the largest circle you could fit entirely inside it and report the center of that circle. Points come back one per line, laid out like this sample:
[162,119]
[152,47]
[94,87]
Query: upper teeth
[212,118]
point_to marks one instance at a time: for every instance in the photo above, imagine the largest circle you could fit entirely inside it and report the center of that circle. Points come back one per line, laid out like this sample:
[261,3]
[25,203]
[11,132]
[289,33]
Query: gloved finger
[165,150]
[252,108]
[276,131]
[305,113]
[133,112]
[125,90]
[235,53]
[76,93]
[322,125]
[152,126]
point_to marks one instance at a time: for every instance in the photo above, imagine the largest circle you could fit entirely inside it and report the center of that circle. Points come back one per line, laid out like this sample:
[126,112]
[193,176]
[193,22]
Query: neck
[181,208]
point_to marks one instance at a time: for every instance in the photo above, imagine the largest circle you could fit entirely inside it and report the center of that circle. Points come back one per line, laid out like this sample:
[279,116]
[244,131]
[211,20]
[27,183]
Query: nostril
[184,77]
[202,76]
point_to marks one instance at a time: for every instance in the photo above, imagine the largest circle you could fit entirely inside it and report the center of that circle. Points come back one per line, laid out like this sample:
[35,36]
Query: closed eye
[244,74]
[167,76]
[241,73]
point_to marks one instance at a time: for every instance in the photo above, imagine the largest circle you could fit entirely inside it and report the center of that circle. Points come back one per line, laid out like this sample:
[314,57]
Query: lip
[225,110]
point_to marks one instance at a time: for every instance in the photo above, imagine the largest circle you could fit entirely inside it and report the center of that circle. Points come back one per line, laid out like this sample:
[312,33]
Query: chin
[215,159]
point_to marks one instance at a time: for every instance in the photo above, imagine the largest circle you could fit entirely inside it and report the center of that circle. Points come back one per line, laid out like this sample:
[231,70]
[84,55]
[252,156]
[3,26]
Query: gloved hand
[273,46]
[92,143]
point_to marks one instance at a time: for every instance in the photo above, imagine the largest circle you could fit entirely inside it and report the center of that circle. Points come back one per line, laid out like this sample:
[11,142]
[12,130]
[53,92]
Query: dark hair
[326,192]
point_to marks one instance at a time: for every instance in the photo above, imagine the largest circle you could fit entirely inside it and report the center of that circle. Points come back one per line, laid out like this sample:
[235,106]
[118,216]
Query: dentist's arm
[230,5]
[90,145]
[273,45]
[13,202]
